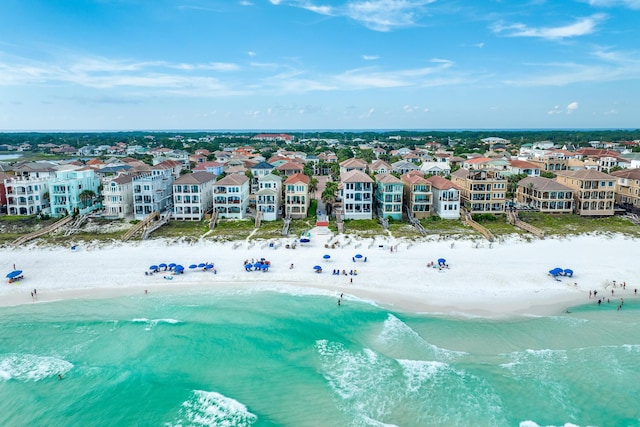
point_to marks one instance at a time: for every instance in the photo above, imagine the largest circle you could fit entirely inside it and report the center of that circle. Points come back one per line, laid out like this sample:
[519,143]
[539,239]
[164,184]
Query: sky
[318,64]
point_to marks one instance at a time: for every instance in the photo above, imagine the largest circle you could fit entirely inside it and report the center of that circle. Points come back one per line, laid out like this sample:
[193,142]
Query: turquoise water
[271,359]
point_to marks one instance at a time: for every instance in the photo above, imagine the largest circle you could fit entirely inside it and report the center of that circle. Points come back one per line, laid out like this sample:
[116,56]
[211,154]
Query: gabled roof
[413,178]
[521,164]
[263,165]
[290,166]
[627,173]
[387,178]
[380,164]
[233,179]
[353,163]
[543,184]
[355,176]
[195,178]
[441,183]
[585,174]
[206,165]
[297,177]
[270,177]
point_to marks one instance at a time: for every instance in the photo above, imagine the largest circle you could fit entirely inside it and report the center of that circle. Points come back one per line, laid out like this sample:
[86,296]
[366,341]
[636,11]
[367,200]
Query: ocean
[259,358]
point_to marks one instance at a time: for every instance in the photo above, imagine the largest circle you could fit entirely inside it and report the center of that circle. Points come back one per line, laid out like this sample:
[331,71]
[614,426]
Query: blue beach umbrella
[192,266]
[248,266]
[568,272]
[172,265]
[304,240]
[179,268]
[208,266]
[358,256]
[162,265]
[14,274]
[201,265]
[317,267]
[442,261]
[153,267]
[326,256]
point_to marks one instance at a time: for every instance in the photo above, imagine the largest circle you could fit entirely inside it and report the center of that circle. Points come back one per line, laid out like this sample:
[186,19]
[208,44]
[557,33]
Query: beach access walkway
[56,225]
[468,220]
[512,217]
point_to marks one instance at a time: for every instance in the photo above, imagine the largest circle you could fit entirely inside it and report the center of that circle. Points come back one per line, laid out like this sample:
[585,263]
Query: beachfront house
[446,197]
[74,191]
[389,196]
[152,191]
[290,168]
[402,166]
[296,196]
[482,191]
[353,164]
[379,166]
[546,195]
[356,194]
[117,196]
[231,196]
[550,161]
[193,196]
[258,171]
[594,193]
[27,196]
[628,189]
[435,168]
[417,194]
[522,167]
[269,196]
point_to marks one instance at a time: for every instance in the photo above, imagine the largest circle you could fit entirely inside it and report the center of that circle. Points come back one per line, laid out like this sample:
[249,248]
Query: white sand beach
[504,278]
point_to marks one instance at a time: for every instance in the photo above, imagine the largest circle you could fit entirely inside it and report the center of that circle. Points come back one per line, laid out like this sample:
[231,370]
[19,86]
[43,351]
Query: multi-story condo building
[193,196]
[231,196]
[356,193]
[353,164]
[117,196]
[546,195]
[27,196]
[74,191]
[482,191]
[628,189]
[269,196]
[296,196]
[258,171]
[417,194]
[389,196]
[152,191]
[594,193]
[551,161]
[446,197]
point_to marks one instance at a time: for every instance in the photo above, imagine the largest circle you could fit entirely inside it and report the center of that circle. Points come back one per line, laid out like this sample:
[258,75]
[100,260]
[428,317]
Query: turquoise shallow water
[271,359]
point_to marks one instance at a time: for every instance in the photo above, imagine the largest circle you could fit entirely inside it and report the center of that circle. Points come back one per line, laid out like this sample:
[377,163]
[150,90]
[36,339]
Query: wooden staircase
[153,216]
[466,219]
[512,217]
[23,239]
[164,220]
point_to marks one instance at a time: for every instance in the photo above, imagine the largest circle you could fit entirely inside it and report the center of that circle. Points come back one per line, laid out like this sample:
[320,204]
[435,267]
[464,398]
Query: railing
[139,226]
[46,230]
[512,217]
[466,218]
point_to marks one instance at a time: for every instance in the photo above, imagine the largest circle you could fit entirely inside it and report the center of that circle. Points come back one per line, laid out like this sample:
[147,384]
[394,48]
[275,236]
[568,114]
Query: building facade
[594,191]
[482,191]
[269,197]
[27,196]
[296,196]
[446,197]
[231,196]
[356,194]
[193,196]
[74,191]
[117,196]
[389,196]
[545,195]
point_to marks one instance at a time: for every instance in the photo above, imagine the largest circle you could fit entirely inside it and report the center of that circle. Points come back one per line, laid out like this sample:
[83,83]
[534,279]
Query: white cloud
[377,15]
[370,57]
[368,114]
[246,3]
[572,107]
[631,4]
[410,109]
[555,110]
[251,54]
[580,27]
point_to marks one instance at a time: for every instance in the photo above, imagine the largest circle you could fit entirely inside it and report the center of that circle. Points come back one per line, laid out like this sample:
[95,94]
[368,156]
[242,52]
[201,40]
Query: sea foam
[208,408]
[396,334]
[31,367]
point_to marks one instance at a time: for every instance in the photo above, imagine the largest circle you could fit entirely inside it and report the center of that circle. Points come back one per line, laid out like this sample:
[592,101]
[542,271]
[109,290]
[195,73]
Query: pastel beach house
[231,196]
[193,196]
[389,196]
[296,194]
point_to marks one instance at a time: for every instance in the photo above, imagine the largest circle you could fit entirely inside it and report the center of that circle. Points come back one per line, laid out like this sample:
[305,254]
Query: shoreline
[504,279]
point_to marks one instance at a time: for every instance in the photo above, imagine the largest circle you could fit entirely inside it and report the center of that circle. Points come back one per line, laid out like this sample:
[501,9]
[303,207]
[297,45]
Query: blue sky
[318,64]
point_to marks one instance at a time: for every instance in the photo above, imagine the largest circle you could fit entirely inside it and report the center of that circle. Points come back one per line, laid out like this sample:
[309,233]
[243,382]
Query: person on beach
[291,266]
[59,376]
[589,294]
[31,295]
[599,301]
[338,302]
[351,280]
[146,291]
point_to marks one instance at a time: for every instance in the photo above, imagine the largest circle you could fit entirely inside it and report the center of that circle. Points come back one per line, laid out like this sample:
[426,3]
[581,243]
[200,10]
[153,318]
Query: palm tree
[86,196]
